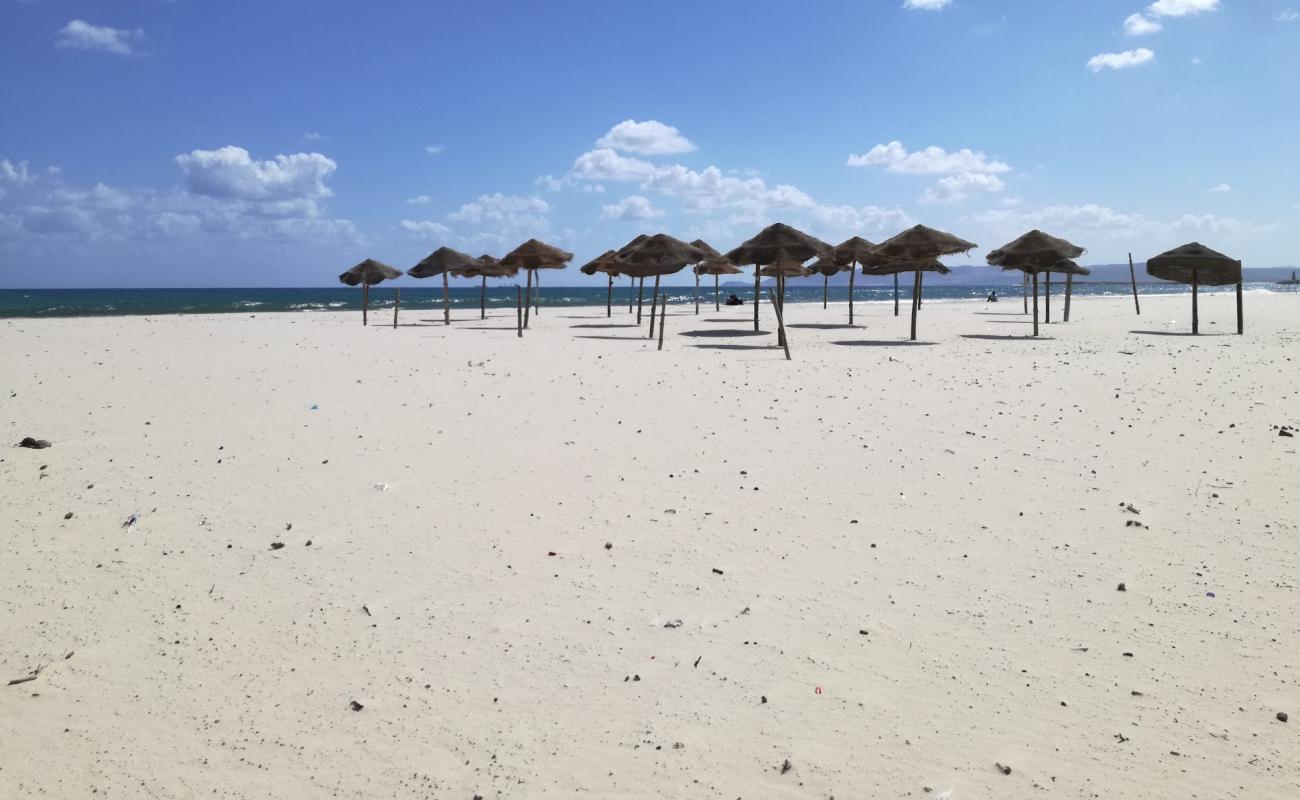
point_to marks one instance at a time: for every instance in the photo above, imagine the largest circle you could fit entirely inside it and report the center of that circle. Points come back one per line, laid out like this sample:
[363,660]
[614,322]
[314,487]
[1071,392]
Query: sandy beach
[447,562]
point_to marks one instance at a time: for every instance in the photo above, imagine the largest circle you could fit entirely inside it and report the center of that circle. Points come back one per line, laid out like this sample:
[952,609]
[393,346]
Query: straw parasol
[1037,252]
[709,252]
[1198,265]
[440,262]
[605,263]
[773,243]
[657,256]
[484,267]
[715,266]
[533,255]
[920,245]
[826,267]
[640,293]
[851,253]
[364,274]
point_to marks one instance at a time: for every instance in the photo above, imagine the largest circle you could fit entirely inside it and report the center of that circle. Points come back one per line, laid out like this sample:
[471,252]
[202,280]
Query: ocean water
[114,302]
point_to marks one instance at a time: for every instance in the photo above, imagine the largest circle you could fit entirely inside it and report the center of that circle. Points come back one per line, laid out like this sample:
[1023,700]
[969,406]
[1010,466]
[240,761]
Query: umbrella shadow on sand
[737,346]
[823,326]
[883,343]
[608,325]
[1177,333]
[992,337]
[723,334]
[641,339]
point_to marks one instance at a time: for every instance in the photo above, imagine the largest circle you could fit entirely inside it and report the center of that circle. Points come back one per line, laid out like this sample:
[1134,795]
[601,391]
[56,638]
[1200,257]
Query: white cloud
[1197,60]
[433,149]
[81,35]
[230,173]
[604,164]
[632,207]
[1139,25]
[15,175]
[1124,60]
[313,136]
[926,5]
[1181,8]
[955,188]
[649,138]
[419,199]
[1103,222]
[425,229]
[895,158]
[1222,188]
[498,208]
[1286,15]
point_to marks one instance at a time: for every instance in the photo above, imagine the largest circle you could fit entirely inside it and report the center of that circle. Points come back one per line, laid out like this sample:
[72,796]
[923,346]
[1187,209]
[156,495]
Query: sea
[28,303]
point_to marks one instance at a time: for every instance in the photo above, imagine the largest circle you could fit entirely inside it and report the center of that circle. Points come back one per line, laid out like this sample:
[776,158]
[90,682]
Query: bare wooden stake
[654,301]
[1241,327]
[528,296]
[1069,288]
[1132,276]
[780,324]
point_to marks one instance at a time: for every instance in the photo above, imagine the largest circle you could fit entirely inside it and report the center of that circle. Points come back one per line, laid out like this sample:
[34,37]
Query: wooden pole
[1240,321]
[697,294]
[1196,316]
[631,295]
[826,291]
[780,308]
[609,298]
[537,293]
[1069,286]
[519,311]
[446,300]
[365,300]
[528,295]
[482,299]
[1035,303]
[640,298]
[663,309]
[853,272]
[717,301]
[895,294]
[397,303]
[757,282]
[916,300]
[1132,276]
[1047,298]
[1024,290]
[654,302]
[780,326]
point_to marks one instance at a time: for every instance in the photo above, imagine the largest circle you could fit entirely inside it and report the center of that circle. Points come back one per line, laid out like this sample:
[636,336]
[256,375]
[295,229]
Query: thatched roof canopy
[444,259]
[896,267]
[920,243]
[826,266]
[1211,268]
[1034,249]
[717,265]
[1064,267]
[605,262]
[785,267]
[632,245]
[778,242]
[484,266]
[660,254]
[709,252]
[853,251]
[533,254]
[369,272]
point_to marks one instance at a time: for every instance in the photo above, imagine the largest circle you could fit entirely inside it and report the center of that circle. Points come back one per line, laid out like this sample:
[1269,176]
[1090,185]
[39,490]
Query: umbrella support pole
[365,301]
[1069,287]
[697,294]
[1240,322]
[780,325]
[916,301]
[537,294]
[609,299]
[446,300]
[631,292]
[663,308]
[826,292]
[717,302]
[640,299]
[528,295]
[519,311]
[1035,303]
[397,303]
[1047,301]
[1132,276]
[1196,312]
[758,279]
[1024,290]
[654,302]
[852,275]
[482,299]
[895,294]
[780,309]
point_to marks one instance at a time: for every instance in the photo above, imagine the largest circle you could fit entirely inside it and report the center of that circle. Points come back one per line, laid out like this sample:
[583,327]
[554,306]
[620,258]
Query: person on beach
[735,301]
[993,297]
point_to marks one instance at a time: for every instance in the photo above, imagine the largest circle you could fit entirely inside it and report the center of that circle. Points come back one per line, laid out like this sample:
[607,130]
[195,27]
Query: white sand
[960,502]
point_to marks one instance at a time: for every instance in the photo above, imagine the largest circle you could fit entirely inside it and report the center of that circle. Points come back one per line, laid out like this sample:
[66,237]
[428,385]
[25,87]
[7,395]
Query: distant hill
[972,275]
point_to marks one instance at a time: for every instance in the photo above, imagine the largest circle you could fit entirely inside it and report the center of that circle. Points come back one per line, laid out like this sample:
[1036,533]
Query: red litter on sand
[817,689]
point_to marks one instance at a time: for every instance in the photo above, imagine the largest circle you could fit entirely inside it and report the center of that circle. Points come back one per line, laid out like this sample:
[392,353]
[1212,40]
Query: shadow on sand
[737,346]
[990,337]
[616,338]
[823,326]
[1180,333]
[609,325]
[724,334]
[883,343]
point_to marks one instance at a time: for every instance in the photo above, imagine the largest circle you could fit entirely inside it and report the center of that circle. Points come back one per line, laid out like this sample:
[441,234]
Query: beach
[443,561]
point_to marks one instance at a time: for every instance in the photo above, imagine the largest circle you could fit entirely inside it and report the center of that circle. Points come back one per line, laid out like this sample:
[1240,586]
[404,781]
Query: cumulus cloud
[14,175]
[926,5]
[1125,60]
[632,207]
[231,173]
[1096,220]
[1221,188]
[955,188]
[649,138]
[81,35]
[419,199]
[498,207]
[1286,15]
[894,157]
[1181,8]
[1139,25]
[603,164]
[425,229]
[433,149]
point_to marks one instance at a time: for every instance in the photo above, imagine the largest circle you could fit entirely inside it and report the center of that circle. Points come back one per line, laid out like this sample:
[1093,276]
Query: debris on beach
[673,623]
[355,706]
[68,515]
[277,545]
[786,766]
[34,444]
[1282,716]
[131,521]
[1004,769]
[1121,588]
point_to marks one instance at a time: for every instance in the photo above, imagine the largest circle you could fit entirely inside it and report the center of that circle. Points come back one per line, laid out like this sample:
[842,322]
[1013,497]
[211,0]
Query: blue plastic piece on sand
[314,407]
[1209,594]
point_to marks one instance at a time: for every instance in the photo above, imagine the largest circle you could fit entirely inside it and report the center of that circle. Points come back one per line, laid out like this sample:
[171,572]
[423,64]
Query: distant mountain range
[972,275]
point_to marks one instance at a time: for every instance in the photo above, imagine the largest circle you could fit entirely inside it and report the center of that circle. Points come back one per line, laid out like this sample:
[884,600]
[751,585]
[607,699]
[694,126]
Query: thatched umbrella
[657,256]
[709,252]
[368,272]
[1063,266]
[782,269]
[773,243]
[850,254]
[1036,252]
[604,263]
[440,262]
[716,266]
[1198,265]
[640,293]
[484,267]
[826,267]
[923,245]
[533,255]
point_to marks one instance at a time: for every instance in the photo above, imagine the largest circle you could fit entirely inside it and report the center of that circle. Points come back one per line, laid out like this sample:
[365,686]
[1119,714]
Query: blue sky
[154,143]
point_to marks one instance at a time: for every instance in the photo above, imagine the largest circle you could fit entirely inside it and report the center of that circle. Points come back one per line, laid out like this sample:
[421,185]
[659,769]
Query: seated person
[735,301]
[993,297]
